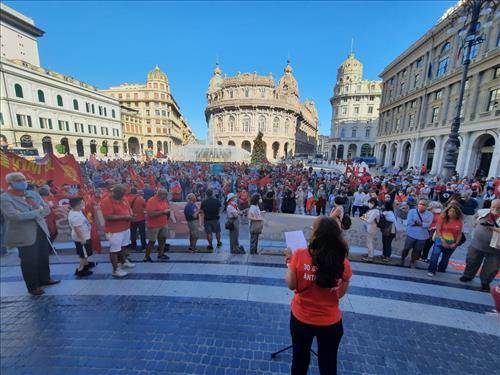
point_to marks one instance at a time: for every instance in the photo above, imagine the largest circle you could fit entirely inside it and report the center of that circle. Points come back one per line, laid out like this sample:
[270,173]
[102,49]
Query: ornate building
[46,110]
[238,107]
[163,127]
[420,94]
[355,105]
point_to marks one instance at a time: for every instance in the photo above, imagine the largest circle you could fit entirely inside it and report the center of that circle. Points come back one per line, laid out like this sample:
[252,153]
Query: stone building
[41,109]
[420,94]
[238,107]
[355,104]
[164,127]
[132,128]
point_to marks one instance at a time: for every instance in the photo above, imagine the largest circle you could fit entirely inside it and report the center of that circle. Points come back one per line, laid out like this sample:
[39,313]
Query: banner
[61,171]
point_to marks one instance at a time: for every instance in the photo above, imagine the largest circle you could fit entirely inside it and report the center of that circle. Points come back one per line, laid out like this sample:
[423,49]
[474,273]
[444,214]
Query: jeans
[328,339]
[427,248]
[134,226]
[445,257]
[356,208]
[387,245]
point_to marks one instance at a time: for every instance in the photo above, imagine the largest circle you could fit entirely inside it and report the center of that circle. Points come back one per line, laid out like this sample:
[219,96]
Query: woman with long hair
[447,237]
[319,276]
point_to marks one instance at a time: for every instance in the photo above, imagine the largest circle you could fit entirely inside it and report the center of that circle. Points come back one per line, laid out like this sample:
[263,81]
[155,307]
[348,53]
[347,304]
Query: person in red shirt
[117,217]
[138,206]
[319,276]
[447,237]
[157,213]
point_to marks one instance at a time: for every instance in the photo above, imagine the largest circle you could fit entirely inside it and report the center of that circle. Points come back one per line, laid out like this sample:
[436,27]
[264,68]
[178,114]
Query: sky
[107,43]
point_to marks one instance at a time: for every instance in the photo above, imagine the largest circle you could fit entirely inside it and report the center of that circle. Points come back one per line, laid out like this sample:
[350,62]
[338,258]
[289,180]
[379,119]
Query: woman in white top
[256,222]
[371,218]
[389,232]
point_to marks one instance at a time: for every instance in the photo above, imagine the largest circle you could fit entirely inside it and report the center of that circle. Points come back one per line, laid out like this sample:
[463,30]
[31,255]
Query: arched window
[113,114]
[262,124]
[354,130]
[367,132]
[232,123]
[220,125]
[41,96]
[276,125]
[59,101]
[287,126]
[75,104]
[19,90]
[246,124]
[446,47]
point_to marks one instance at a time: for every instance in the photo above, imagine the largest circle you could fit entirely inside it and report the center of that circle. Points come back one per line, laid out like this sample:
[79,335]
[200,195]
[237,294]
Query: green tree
[259,150]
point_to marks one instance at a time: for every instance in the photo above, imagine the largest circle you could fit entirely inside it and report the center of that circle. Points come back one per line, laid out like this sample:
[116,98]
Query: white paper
[295,240]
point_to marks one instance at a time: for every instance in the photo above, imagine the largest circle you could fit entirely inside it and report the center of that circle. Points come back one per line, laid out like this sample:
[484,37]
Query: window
[438,95]
[247,92]
[87,107]
[435,115]
[370,110]
[413,104]
[44,123]
[232,122]
[262,124]
[343,110]
[24,120]
[59,100]
[354,131]
[372,98]
[418,63]
[157,113]
[496,72]
[342,133]
[442,67]
[416,79]
[356,110]
[220,125]
[93,108]
[19,90]
[1,119]
[493,99]
[164,113]
[398,123]
[276,125]
[113,114]
[411,120]
[358,98]
[41,96]
[246,124]
[446,47]
[262,92]
[401,88]
[63,125]
[367,132]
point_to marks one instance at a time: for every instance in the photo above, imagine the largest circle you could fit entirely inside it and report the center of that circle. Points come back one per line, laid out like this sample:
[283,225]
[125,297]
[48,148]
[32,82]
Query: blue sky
[106,43]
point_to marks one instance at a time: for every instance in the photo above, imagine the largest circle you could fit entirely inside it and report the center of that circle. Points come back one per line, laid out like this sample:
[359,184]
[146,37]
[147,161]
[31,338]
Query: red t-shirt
[138,206]
[110,206]
[312,304]
[154,204]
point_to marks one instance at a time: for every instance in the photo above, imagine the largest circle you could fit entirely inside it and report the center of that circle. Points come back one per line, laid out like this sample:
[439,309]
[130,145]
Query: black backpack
[382,222]
[346,222]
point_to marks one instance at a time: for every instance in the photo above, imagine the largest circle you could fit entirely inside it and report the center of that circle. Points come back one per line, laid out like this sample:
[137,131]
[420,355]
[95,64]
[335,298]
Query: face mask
[371,205]
[19,185]
[260,200]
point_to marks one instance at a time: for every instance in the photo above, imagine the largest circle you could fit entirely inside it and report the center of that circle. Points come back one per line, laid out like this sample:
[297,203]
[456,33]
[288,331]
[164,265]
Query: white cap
[230,196]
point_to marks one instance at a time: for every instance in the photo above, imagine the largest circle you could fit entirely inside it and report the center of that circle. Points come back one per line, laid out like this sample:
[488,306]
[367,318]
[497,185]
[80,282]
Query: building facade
[163,126]
[420,94]
[45,110]
[355,103]
[323,146]
[241,106]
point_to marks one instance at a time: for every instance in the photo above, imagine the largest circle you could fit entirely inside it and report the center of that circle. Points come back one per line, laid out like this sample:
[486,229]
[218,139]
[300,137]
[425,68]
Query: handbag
[229,224]
[256,226]
[462,239]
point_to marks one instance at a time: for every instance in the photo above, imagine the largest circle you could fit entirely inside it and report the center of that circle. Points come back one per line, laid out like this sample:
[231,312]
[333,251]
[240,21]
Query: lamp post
[472,8]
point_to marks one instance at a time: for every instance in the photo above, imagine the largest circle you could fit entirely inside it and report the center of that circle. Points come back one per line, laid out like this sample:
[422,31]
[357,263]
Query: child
[80,233]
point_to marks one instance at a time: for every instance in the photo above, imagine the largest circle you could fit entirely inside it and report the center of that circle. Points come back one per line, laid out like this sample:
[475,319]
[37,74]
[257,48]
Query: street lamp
[474,9]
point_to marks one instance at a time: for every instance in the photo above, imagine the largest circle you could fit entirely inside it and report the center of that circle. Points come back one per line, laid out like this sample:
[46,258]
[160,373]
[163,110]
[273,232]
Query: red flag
[89,214]
[264,181]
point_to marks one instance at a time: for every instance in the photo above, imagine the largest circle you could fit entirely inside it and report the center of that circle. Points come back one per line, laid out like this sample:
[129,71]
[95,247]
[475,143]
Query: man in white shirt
[80,233]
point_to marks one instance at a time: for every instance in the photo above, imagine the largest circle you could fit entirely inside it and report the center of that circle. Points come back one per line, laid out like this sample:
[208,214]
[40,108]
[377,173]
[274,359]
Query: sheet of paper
[295,240]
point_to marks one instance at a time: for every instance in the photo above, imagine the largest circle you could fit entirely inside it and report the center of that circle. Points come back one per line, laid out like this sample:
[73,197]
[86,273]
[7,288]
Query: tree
[259,150]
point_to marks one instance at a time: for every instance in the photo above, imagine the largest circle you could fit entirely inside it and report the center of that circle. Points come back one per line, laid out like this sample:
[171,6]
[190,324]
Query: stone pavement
[225,314]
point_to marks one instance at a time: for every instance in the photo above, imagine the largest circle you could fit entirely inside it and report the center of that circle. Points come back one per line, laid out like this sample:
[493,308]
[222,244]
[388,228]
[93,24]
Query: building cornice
[20,24]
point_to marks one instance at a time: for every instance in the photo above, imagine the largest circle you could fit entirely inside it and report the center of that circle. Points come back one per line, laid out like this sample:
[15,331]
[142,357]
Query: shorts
[152,234]
[194,228]
[212,226]
[118,240]
[84,251]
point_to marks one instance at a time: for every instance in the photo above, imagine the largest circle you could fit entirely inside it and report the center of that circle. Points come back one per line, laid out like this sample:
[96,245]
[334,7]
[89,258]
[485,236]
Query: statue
[259,150]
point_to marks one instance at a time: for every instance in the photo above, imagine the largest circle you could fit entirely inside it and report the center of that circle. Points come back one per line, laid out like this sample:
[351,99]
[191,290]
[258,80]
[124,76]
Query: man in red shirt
[138,206]
[157,213]
[117,217]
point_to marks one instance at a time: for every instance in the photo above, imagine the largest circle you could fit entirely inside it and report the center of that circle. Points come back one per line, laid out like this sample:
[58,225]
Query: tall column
[417,155]
[495,160]
[438,155]
[465,155]
[387,161]
[399,153]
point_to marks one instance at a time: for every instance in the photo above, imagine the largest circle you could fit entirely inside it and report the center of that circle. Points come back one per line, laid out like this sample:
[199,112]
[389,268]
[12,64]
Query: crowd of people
[133,197]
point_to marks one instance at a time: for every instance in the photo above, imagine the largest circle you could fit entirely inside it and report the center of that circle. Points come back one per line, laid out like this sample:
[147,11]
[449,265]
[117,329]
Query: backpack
[346,222]
[382,222]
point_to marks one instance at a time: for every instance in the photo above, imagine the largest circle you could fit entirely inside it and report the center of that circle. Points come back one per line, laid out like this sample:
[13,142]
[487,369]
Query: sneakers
[83,273]
[210,247]
[430,274]
[128,264]
[119,273]
[148,260]
[163,256]
[91,264]
[219,244]
[367,259]
[465,279]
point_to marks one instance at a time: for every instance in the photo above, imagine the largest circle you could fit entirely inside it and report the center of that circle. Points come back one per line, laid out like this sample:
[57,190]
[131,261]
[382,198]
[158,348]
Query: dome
[350,68]
[157,75]
[288,84]
[216,81]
